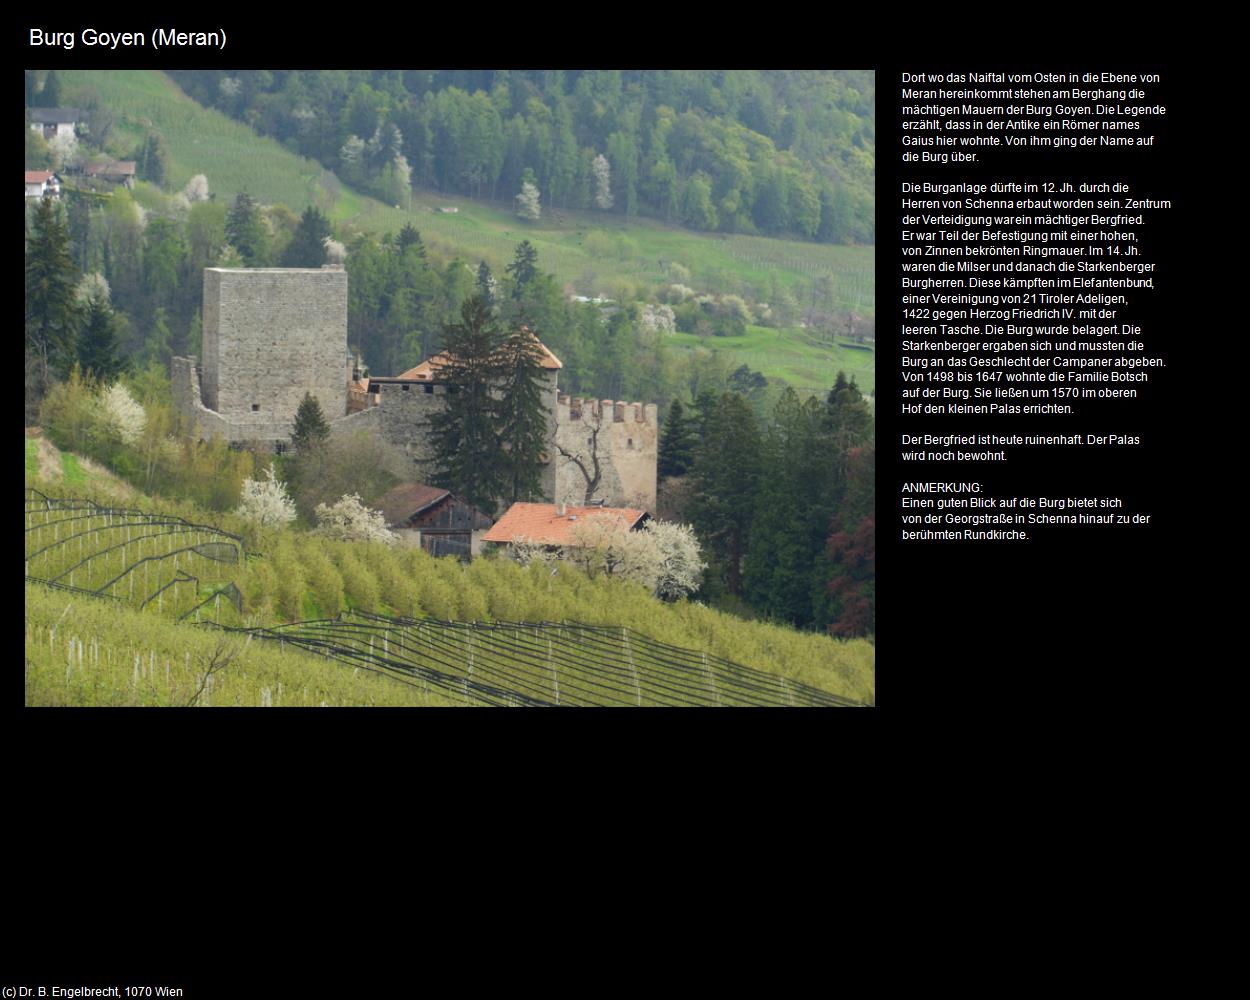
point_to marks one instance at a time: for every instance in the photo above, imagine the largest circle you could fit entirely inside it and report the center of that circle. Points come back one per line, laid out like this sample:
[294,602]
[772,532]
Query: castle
[272,334]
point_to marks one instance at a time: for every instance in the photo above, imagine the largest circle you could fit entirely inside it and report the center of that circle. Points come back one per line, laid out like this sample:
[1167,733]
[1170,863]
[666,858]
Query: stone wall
[627,446]
[271,335]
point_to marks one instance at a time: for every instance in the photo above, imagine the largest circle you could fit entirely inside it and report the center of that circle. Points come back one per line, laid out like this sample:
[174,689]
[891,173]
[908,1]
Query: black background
[998,663]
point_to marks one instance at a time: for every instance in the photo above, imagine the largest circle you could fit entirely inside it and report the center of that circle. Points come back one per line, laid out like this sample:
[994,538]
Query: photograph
[450,388]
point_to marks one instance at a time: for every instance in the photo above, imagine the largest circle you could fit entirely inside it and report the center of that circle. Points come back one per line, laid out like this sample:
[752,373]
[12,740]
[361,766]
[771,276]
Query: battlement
[603,411]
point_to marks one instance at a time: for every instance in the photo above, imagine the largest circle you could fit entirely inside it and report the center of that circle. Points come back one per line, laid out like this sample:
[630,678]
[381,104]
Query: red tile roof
[539,522]
[38,176]
[426,369]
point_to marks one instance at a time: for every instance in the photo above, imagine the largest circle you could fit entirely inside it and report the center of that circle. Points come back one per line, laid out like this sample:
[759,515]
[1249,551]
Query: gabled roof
[406,500]
[120,167]
[38,176]
[540,522]
[51,116]
[426,370]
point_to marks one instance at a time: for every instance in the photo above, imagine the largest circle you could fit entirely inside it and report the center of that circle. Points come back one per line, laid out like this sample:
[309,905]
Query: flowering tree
[121,414]
[266,503]
[680,566]
[350,520]
[603,190]
[527,206]
[196,189]
[601,543]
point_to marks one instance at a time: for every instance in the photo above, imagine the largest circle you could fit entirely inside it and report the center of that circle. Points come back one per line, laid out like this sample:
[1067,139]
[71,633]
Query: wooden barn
[434,518]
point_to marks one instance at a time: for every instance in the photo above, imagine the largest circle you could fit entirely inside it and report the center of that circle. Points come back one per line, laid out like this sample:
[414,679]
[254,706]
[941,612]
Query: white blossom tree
[350,520]
[602,172]
[680,563]
[92,286]
[336,253]
[196,189]
[121,414]
[602,543]
[528,552]
[527,206]
[266,502]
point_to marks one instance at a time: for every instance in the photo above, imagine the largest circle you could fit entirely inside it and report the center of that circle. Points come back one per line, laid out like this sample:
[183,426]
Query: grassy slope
[235,159]
[303,576]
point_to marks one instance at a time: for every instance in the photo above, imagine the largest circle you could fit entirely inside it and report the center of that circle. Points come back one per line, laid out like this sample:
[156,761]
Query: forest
[735,151]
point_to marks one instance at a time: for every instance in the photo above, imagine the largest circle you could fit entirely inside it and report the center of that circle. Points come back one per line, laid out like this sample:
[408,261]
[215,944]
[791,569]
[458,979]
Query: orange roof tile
[426,369]
[37,176]
[539,522]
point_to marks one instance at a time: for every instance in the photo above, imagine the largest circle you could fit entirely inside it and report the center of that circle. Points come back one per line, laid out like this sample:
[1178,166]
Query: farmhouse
[120,172]
[433,518]
[553,524]
[41,182]
[55,123]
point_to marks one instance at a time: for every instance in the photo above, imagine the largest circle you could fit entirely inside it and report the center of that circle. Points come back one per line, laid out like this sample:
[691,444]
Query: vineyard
[130,555]
[543,663]
[170,567]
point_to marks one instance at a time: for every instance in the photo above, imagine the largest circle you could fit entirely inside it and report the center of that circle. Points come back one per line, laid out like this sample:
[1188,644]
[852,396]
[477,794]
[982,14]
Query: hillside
[177,558]
[591,253]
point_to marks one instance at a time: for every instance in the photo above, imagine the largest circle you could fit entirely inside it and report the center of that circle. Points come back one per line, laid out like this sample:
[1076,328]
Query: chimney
[560,510]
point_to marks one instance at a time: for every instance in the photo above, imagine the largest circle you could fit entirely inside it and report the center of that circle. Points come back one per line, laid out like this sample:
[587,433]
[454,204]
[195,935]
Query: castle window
[256,407]
[629,442]
[405,388]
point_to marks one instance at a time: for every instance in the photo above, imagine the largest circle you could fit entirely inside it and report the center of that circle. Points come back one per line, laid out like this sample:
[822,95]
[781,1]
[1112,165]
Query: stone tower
[271,335]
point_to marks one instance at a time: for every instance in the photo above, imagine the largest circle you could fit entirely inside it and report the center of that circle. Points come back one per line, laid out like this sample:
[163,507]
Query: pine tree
[51,94]
[725,476]
[98,350]
[51,312]
[522,414]
[523,268]
[486,284]
[311,430]
[246,231]
[409,237]
[677,443]
[467,452]
[307,247]
[153,159]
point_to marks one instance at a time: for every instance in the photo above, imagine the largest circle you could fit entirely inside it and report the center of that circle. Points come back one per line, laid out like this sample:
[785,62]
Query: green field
[802,361]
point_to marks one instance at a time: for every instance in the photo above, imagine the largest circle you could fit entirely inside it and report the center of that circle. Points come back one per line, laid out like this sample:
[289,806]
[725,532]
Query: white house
[41,182]
[52,123]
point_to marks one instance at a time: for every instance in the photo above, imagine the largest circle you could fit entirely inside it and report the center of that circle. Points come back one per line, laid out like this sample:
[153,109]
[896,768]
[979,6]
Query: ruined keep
[269,336]
[272,334]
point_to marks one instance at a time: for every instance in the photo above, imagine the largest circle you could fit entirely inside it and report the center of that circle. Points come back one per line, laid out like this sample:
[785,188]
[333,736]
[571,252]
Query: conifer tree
[409,237]
[98,350]
[246,231]
[522,414]
[467,452]
[523,268]
[725,476]
[486,284]
[676,444]
[51,312]
[307,247]
[311,430]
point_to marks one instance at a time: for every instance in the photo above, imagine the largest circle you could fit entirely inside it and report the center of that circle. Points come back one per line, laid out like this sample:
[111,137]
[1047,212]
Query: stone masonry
[272,334]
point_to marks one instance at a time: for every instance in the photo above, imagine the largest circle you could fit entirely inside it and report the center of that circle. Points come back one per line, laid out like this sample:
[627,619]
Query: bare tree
[221,658]
[594,473]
